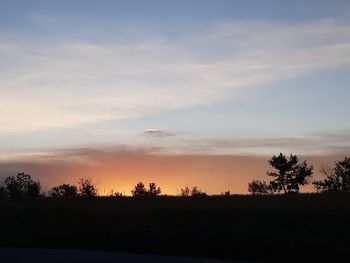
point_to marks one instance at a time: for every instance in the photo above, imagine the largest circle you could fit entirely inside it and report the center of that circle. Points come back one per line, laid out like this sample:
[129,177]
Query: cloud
[157,133]
[317,144]
[69,83]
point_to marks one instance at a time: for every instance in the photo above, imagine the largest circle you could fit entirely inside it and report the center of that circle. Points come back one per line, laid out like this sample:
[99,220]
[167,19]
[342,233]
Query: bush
[64,191]
[257,187]
[194,191]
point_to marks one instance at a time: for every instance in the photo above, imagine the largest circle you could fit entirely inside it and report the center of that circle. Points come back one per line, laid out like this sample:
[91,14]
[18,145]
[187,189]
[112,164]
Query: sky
[192,92]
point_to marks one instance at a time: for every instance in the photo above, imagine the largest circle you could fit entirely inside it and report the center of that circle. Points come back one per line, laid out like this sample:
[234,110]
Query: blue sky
[212,77]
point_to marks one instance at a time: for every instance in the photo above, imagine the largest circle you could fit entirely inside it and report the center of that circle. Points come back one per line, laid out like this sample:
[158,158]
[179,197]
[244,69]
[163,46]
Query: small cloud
[157,133]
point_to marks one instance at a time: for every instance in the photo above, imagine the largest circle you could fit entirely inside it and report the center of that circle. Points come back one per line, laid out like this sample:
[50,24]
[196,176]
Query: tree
[87,188]
[2,192]
[21,186]
[115,194]
[337,178]
[257,187]
[194,191]
[154,190]
[185,191]
[141,191]
[290,173]
[226,193]
[33,190]
[64,191]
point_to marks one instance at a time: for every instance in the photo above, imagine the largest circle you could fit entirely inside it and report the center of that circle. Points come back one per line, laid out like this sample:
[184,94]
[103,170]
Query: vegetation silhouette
[337,178]
[3,194]
[20,186]
[116,194]
[226,193]
[194,191]
[257,187]
[141,191]
[87,188]
[290,175]
[220,226]
[64,191]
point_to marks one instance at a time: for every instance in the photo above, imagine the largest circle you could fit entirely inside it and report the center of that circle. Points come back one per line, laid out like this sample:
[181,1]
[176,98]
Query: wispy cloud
[59,85]
[321,143]
[157,133]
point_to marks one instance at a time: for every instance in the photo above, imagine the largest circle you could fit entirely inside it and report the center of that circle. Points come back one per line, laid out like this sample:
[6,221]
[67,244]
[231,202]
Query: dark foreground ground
[27,255]
[297,228]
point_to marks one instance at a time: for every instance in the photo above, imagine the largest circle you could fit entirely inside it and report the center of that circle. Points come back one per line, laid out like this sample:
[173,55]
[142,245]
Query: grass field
[305,227]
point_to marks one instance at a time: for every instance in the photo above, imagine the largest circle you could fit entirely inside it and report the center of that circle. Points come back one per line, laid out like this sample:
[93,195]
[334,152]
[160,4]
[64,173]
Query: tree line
[22,186]
[288,176]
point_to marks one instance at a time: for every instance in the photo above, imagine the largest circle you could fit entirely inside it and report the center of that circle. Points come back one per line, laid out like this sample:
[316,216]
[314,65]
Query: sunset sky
[193,92]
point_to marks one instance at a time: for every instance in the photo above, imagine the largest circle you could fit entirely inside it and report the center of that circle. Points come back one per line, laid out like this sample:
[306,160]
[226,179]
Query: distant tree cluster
[141,191]
[290,174]
[194,191]
[20,186]
[85,188]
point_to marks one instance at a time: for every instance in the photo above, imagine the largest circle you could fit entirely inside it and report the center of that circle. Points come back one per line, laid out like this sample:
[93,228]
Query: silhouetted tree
[186,191]
[87,188]
[33,190]
[337,178]
[290,173]
[64,190]
[21,186]
[194,191]
[115,194]
[154,190]
[226,193]
[2,192]
[257,187]
[139,190]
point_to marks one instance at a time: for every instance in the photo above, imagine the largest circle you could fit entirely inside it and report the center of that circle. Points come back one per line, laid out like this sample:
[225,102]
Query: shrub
[64,191]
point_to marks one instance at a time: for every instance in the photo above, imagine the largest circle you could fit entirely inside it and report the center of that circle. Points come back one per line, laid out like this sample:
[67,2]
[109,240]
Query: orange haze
[121,169]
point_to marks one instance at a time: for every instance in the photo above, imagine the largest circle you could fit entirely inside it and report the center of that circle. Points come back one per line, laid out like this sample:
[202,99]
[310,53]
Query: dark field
[263,228]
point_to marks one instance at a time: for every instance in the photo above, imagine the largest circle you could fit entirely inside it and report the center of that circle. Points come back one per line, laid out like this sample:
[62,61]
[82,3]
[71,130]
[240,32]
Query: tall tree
[290,174]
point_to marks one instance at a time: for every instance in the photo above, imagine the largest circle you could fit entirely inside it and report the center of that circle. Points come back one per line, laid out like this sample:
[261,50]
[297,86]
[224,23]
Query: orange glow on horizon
[121,170]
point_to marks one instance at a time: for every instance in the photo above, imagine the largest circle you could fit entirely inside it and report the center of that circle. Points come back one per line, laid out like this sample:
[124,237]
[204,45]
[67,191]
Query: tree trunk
[284,188]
